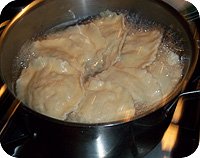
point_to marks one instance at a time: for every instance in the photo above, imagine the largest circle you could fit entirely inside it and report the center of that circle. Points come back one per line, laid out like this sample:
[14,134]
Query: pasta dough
[104,101]
[89,48]
[50,86]
[141,84]
[140,48]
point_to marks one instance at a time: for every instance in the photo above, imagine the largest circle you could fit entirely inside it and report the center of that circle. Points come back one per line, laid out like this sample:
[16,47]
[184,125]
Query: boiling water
[163,70]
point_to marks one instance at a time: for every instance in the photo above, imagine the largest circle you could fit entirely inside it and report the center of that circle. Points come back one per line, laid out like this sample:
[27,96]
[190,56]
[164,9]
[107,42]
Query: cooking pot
[134,138]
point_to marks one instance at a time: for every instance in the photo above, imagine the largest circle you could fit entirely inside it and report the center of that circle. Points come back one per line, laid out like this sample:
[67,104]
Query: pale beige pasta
[50,86]
[140,48]
[104,102]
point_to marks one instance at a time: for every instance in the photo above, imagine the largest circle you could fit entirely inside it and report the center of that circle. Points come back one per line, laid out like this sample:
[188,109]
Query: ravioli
[103,102]
[91,47]
[141,84]
[114,30]
[167,70]
[140,48]
[50,86]
[72,45]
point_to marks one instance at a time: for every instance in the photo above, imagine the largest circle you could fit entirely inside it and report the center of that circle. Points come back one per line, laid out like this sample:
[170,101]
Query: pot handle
[166,112]
[173,105]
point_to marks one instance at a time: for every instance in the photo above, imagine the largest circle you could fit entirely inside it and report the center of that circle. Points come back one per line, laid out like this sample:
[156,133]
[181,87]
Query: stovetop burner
[180,140]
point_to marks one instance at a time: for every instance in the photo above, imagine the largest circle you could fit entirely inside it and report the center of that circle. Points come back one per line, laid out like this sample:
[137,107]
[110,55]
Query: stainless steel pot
[120,139]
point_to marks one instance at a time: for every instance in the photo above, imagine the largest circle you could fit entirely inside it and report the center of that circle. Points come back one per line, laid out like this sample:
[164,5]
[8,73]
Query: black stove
[180,140]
